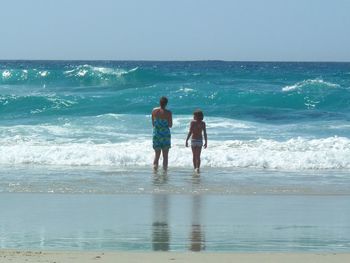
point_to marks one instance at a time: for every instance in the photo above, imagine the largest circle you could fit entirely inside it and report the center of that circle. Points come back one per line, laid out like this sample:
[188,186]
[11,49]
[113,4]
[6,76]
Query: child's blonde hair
[198,115]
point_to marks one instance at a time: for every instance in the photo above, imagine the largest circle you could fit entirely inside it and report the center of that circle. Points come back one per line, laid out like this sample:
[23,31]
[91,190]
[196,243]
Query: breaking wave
[293,154]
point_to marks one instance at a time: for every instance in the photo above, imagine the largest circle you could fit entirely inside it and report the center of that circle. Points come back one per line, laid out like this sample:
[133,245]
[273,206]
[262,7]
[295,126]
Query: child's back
[197,128]
[196,132]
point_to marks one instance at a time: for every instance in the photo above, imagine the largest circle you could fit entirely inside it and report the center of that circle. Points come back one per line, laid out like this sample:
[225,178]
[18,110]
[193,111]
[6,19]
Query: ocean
[83,128]
[98,113]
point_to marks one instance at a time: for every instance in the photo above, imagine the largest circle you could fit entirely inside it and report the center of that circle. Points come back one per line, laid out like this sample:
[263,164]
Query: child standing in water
[197,128]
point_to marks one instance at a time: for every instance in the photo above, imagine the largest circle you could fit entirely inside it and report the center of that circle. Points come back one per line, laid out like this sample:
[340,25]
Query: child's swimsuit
[161,134]
[196,142]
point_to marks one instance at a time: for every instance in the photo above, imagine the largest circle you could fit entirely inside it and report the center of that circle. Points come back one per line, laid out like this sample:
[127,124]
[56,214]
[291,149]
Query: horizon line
[190,60]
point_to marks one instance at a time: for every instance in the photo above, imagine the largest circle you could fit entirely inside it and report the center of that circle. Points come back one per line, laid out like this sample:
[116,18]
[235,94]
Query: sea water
[280,116]
[84,128]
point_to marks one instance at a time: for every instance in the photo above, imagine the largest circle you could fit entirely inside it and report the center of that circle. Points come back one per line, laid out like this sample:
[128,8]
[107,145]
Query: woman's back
[161,118]
[162,121]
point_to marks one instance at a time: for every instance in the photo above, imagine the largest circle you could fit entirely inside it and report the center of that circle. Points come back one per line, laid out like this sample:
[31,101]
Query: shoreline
[28,256]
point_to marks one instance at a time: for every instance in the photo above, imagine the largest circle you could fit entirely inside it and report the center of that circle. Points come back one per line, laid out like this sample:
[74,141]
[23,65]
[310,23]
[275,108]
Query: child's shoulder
[192,123]
[198,123]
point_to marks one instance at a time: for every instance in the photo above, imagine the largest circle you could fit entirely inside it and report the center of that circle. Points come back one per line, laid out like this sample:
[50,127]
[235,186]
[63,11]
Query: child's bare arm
[189,135]
[205,135]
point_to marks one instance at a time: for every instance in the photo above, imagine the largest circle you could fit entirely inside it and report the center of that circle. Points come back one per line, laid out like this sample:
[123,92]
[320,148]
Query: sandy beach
[154,257]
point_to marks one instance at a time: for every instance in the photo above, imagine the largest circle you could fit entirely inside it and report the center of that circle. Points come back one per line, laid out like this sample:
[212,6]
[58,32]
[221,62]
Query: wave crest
[310,83]
[99,72]
[293,154]
[77,75]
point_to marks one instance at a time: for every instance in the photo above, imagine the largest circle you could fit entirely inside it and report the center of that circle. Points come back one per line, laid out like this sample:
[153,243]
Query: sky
[235,30]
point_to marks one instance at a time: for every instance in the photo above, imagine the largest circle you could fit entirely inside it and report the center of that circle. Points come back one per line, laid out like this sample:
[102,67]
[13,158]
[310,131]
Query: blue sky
[260,30]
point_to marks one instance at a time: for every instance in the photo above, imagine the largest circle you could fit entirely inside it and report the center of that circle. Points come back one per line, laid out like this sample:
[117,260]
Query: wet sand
[155,257]
[176,223]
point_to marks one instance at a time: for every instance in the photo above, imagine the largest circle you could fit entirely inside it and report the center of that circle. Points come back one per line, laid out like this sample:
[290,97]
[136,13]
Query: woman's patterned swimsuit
[161,134]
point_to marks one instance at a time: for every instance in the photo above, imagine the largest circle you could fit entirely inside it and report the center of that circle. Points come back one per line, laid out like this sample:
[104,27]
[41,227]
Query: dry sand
[155,257]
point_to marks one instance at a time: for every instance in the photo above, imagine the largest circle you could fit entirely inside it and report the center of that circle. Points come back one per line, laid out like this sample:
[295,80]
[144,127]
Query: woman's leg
[165,158]
[156,158]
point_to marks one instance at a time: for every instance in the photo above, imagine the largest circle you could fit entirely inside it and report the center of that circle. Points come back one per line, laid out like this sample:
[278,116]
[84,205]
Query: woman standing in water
[162,121]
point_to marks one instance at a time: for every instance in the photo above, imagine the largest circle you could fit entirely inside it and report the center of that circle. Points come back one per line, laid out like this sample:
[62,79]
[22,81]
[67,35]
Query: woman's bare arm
[153,112]
[170,119]
[205,135]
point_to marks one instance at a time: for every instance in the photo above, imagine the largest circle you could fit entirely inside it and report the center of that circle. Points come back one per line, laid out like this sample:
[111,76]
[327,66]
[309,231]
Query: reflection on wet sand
[160,226]
[161,208]
[197,235]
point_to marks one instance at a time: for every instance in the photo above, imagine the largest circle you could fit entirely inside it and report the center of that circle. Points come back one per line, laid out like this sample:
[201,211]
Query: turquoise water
[282,116]
[81,131]
[265,92]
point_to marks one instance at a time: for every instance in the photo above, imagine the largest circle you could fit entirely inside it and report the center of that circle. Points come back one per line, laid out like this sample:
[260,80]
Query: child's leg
[199,150]
[165,158]
[194,156]
[197,157]
[156,158]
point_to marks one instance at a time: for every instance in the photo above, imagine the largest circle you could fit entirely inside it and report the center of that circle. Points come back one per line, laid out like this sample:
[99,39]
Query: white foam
[6,74]
[293,154]
[304,83]
[228,124]
[44,73]
[186,90]
[289,88]
[82,73]
[24,74]
[60,103]
[84,70]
